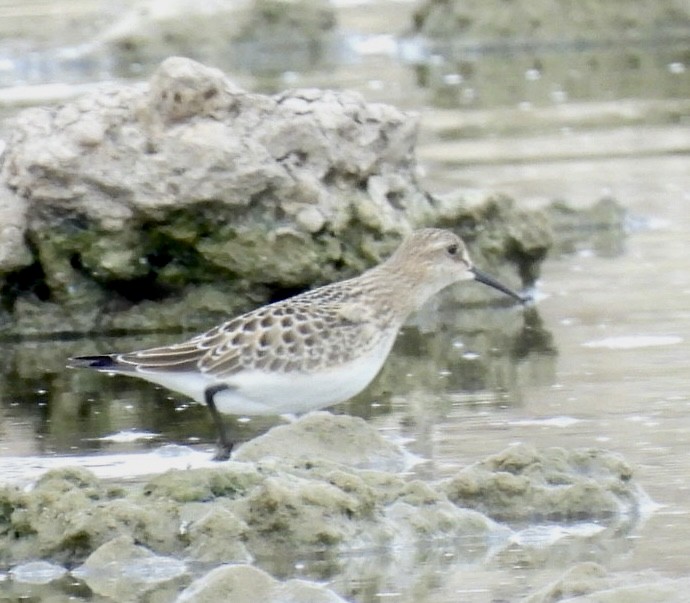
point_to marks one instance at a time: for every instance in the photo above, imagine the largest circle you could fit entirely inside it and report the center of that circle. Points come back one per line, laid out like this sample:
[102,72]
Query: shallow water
[609,368]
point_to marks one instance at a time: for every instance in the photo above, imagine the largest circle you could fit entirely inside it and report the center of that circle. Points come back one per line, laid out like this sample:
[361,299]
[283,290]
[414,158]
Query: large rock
[187,199]
[133,194]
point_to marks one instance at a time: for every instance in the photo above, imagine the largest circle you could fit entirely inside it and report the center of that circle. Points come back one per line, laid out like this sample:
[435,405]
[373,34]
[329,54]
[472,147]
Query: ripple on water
[630,342]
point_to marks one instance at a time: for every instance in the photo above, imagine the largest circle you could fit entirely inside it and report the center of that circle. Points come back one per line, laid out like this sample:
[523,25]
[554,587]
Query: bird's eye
[452,249]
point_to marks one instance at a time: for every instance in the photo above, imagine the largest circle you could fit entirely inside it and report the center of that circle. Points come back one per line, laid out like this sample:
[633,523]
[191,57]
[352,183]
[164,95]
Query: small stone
[37,572]
[311,219]
[89,131]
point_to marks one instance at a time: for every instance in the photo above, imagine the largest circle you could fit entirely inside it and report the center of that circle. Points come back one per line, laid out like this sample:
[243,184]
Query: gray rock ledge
[171,204]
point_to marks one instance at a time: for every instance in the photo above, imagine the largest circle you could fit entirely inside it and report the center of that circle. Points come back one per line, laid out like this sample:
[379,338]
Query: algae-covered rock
[232,480]
[218,535]
[327,437]
[500,235]
[144,537]
[180,202]
[70,513]
[50,520]
[603,227]
[525,484]
[289,511]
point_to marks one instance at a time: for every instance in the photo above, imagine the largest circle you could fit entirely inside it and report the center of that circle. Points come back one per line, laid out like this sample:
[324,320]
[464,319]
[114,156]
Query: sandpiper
[309,351]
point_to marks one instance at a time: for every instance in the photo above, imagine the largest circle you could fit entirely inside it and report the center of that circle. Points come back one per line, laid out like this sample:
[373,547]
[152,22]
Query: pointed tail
[100,363]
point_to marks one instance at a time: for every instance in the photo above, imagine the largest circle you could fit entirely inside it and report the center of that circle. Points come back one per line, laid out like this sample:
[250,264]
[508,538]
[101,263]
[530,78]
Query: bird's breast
[259,392]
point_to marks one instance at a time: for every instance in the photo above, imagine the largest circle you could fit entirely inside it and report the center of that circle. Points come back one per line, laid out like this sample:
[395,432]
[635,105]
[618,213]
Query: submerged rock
[440,520]
[602,227]
[499,54]
[548,22]
[231,480]
[123,571]
[591,583]
[247,584]
[37,572]
[288,511]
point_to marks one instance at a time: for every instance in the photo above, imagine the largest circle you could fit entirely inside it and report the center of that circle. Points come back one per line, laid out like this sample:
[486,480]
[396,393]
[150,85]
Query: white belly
[259,392]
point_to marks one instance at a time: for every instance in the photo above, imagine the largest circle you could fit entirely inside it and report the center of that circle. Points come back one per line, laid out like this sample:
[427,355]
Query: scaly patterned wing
[178,357]
[299,334]
[302,333]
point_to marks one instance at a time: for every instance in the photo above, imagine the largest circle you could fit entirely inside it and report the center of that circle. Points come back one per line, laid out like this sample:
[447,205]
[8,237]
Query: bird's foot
[223,451]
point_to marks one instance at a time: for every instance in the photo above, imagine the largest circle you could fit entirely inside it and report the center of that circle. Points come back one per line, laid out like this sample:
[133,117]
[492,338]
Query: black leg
[224,444]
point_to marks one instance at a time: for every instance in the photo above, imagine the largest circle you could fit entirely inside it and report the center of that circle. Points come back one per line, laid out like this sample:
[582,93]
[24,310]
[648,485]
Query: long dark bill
[482,277]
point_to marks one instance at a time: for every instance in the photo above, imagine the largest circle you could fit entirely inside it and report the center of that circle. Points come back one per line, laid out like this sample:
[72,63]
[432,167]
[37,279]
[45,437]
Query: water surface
[608,367]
